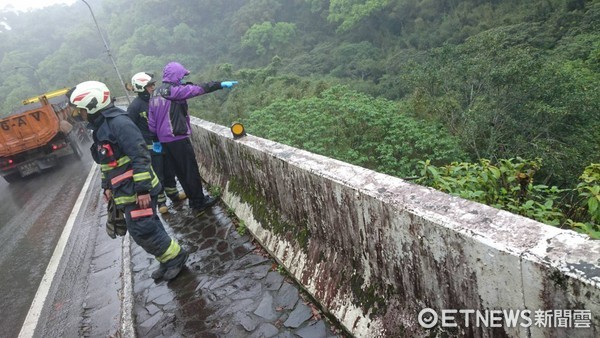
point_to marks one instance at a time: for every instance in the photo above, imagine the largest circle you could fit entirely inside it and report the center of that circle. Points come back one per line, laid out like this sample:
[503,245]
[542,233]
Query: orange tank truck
[39,134]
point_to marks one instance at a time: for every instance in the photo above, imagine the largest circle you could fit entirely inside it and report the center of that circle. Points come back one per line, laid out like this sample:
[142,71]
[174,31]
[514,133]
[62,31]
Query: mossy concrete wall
[375,250]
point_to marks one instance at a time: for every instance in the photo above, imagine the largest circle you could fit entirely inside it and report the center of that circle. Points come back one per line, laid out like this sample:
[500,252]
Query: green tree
[255,11]
[355,128]
[349,13]
[266,37]
[185,38]
[504,96]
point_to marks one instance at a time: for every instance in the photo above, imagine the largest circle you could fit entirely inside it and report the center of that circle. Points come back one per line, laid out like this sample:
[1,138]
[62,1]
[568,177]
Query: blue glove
[228,84]
[157,147]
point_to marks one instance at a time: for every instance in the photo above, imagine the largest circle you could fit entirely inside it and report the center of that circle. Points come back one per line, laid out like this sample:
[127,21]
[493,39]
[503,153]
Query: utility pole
[108,52]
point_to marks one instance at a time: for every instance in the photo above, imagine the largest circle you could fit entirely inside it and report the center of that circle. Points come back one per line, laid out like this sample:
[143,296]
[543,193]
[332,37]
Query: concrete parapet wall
[375,250]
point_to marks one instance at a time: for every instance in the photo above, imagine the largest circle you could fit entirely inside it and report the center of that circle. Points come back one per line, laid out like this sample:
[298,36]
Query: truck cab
[39,135]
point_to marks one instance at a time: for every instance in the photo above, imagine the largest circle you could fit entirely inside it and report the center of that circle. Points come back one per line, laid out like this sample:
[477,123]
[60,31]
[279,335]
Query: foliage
[215,191]
[266,37]
[502,96]
[355,61]
[586,213]
[355,128]
[465,80]
[509,184]
[350,12]
[225,107]
[241,228]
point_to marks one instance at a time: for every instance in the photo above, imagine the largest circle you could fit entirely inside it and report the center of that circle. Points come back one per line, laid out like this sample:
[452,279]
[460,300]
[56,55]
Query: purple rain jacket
[168,114]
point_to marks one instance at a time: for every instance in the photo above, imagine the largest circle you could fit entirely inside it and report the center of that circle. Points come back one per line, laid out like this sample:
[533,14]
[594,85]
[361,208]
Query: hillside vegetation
[497,101]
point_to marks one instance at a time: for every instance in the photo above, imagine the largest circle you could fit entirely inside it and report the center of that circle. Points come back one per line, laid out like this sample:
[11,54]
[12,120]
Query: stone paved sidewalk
[230,288]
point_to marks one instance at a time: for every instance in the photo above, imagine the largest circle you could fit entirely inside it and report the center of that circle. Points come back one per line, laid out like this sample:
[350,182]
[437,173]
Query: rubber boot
[208,202]
[175,265]
[180,196]
[160,272]
[162,208]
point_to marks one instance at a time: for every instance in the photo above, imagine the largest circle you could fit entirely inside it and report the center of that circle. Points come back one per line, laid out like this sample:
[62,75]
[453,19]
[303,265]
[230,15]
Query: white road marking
[33,316]
[127,322]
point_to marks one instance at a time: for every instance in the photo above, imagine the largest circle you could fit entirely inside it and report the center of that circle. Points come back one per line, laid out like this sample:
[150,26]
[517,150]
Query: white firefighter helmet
[140,80]
[91,96]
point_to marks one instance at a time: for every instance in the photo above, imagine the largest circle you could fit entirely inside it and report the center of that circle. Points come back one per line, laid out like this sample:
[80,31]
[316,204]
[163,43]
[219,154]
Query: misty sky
[27,5]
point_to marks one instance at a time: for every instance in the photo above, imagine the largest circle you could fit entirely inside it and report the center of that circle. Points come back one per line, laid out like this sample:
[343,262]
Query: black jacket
[124,159]
[138,112]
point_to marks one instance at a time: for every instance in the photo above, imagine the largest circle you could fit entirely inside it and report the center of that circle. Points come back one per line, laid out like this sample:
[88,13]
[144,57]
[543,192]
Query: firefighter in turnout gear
[143,83]
[127,175]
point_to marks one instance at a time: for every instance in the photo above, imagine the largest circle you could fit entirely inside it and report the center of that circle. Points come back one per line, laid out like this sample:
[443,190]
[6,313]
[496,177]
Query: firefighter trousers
[166,176]
[146,229]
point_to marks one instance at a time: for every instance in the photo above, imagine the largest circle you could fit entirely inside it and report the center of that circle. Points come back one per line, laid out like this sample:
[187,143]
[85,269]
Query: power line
[108,52]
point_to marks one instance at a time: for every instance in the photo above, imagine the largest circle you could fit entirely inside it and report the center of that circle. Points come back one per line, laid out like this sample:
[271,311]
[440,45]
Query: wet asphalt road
[33,213]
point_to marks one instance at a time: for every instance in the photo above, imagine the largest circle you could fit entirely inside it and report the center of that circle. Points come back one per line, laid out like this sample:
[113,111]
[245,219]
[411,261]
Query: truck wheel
[84,135]
[12,178]
[75,146]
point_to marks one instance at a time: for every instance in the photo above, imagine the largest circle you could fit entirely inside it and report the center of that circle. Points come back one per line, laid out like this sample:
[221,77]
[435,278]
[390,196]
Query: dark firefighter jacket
[138,112]
[124,160]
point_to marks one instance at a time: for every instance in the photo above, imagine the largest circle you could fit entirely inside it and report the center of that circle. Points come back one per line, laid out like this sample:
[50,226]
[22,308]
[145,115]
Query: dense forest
[497,101]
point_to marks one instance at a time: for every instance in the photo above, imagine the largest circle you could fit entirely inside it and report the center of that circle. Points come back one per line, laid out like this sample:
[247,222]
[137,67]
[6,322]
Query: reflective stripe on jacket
[133,172]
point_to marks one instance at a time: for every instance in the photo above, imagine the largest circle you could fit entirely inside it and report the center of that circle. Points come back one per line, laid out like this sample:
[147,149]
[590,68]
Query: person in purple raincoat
[169,119]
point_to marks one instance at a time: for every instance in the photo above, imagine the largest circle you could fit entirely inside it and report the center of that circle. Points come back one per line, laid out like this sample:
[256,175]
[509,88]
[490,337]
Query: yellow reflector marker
[237,129]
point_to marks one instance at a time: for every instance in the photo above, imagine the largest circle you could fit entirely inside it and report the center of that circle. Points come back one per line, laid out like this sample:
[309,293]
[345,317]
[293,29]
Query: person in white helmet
[143,83]
[127,175]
